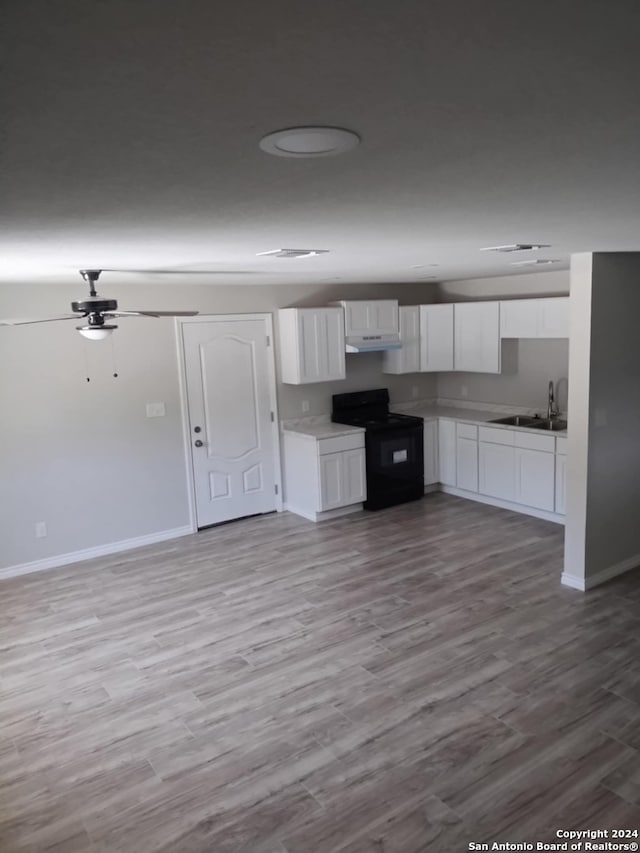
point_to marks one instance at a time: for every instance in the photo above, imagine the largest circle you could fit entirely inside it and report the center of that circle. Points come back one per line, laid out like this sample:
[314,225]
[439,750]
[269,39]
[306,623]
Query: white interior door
[231,406]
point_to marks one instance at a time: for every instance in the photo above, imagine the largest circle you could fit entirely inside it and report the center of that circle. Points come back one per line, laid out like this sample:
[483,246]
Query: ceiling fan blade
[179,271]
[27,322]
[152,313]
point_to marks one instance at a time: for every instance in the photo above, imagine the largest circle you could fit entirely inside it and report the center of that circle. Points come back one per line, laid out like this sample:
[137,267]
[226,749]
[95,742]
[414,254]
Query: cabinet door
[561,484]
[431,472]
[331,481]
[467,464]
[477,337]
[436,338]
[496,471]
[355,481]
[407,359]
[447,452]
[519,318]
[321,345]
[371,316]
[385,316]
[553,317]
[535,478]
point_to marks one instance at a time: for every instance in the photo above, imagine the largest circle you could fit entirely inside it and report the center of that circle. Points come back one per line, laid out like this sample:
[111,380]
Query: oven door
[395,466]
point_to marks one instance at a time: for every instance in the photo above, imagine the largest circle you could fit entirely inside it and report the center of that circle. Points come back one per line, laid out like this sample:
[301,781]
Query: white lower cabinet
[496,467]
[535,479]
[342,479]
[518,466]
[431,466]
[324,474]
[561,475]
[467,457]
[447,452]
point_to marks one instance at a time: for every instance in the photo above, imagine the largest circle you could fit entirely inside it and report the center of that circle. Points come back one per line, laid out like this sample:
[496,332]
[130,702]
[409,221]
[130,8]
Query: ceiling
[131,135]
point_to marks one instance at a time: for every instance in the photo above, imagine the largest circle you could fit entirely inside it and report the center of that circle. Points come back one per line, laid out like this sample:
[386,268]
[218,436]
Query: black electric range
[393,444]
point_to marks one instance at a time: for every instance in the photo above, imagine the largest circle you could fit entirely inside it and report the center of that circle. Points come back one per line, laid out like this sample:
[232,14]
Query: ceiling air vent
[538,262]
[293,253]
[516,247]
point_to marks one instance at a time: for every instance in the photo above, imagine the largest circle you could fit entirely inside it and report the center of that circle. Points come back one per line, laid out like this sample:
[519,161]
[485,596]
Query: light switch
[155,410]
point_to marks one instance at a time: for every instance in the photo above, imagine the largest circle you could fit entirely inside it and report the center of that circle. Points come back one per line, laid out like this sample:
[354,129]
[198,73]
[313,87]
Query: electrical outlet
[415,391]
[305,406]
[41,529]
[155,410]
[464,391]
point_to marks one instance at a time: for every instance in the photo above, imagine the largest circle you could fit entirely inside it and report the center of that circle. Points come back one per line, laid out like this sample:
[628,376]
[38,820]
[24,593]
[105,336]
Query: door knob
[198,443]
[197,429]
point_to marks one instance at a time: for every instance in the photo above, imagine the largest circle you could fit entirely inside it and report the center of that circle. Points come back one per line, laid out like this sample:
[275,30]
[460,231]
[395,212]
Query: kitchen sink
[554,424]
[516,420]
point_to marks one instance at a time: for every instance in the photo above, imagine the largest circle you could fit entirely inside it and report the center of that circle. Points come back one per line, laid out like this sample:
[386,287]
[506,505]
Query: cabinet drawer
[340,442]
[466,430]
[561,446]
[496,436]
[531,441]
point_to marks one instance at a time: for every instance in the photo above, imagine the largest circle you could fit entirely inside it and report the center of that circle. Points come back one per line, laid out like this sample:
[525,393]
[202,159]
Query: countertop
[321,427]
[317,431]
[474,416]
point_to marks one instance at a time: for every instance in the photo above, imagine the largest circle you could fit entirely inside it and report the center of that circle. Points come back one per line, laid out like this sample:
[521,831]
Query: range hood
[372,343]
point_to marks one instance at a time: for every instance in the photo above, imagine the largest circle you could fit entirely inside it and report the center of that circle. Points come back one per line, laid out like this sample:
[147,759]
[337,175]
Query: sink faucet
[552,411]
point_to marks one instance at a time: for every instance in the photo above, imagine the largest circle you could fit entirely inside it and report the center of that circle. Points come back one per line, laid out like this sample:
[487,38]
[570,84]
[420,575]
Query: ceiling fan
[95,309]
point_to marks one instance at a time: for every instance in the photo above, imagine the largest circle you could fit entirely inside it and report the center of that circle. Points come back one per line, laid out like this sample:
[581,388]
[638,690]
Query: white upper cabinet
[436,338]
[477,337]
[553,318]
[312,347]
[370,317]
[535,318]
[407,359]
[519,318]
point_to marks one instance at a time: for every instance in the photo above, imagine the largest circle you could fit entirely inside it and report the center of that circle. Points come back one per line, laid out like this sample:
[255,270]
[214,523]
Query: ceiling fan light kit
[96,333]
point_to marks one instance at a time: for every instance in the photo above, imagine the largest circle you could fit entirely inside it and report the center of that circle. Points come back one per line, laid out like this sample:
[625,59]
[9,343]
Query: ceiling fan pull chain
[86,361]
[113,359]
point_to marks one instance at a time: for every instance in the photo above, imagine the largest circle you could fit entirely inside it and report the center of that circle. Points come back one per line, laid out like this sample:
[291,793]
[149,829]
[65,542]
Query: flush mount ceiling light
[539,262]
[516,247]
[309,141]
[293,253]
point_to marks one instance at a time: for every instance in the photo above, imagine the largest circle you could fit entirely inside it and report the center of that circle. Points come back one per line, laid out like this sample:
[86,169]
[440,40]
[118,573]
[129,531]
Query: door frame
[180,324]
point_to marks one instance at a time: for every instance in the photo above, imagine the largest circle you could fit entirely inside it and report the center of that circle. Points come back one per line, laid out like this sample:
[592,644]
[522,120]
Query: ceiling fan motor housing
[94,308]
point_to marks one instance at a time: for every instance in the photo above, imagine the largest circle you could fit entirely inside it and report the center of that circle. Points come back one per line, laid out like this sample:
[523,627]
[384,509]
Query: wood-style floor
[393,682]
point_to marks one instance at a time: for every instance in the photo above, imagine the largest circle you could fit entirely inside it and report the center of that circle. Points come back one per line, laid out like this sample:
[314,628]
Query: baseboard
[484,499]
[90,553]
[572,581]
[311,515]
[613,571]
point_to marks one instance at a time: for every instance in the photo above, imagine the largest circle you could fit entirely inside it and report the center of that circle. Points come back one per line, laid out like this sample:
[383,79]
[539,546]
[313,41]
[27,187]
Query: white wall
[537,361]
[603,536]
[520,286]
[82,456]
